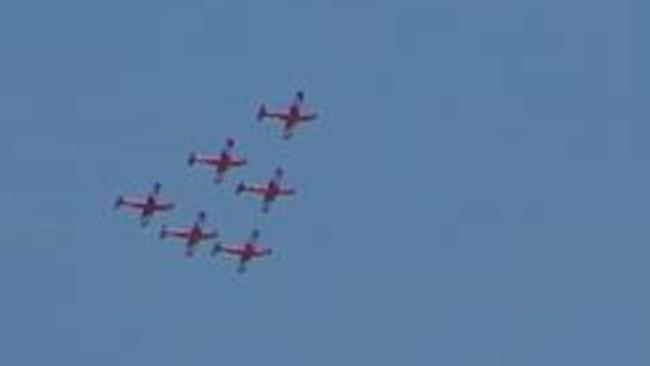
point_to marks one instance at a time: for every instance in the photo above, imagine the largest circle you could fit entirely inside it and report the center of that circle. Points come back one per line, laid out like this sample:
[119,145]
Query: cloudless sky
[475,191]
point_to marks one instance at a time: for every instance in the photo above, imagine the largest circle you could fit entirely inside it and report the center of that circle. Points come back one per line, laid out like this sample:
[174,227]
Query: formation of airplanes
[221,164]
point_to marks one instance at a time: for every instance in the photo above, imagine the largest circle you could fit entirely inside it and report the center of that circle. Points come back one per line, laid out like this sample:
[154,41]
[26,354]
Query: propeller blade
[191,160]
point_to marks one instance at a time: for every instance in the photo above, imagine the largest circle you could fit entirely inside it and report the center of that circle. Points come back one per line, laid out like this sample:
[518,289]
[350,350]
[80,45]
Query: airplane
[269,191]
[148,206]
[292,116]
[221,163]
[246,251]
[192,235]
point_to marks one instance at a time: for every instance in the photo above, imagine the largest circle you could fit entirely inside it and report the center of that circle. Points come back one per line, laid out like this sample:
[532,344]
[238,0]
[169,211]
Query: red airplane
[246,252]
[192,235]
[291,117]
[148,206]
[269,191]
[221,163]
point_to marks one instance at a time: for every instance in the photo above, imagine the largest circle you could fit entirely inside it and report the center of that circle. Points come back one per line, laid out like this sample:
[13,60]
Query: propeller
[240,188]
[118,202]
[191,160]
[261,113]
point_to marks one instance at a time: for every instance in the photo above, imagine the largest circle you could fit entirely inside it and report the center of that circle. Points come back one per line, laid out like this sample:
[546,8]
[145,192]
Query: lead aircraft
[290,116]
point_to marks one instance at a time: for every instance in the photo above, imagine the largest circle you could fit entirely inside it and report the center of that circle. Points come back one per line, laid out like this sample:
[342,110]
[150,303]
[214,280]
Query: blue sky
[474,193]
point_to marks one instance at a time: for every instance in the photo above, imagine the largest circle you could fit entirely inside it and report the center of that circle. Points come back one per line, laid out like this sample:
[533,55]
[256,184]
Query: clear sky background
[474,193]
